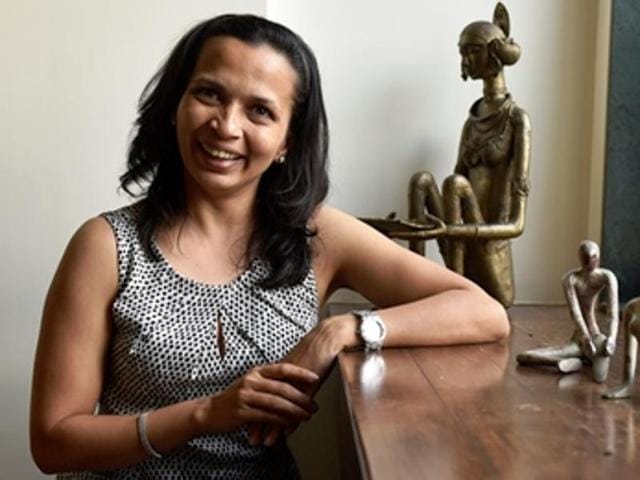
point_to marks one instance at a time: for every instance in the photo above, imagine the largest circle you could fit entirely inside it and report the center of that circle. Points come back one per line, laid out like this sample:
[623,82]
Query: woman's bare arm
[421,302]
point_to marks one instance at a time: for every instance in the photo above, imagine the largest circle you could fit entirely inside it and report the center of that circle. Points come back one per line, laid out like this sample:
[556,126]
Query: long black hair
[287,194]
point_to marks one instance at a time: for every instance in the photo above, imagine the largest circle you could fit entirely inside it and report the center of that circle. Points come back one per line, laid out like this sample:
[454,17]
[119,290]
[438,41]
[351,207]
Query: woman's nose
[227,122]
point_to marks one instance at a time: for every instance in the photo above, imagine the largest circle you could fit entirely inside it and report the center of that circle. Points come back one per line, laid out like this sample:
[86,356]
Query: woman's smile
[220,154]
[219,160]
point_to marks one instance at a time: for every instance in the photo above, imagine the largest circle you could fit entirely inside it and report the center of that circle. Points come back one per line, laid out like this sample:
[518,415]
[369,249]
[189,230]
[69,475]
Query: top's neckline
[240,278]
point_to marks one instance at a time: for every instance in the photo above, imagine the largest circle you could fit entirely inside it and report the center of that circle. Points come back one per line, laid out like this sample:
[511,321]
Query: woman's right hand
[265,394]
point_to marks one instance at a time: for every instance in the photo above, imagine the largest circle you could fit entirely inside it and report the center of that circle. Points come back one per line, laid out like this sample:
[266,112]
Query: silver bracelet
[142,435]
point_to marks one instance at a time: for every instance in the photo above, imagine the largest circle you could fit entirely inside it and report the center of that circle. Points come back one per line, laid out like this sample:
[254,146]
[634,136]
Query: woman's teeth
[222,154]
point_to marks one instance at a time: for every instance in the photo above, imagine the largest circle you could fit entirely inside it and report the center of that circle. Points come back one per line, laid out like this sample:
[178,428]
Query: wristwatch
[371,329]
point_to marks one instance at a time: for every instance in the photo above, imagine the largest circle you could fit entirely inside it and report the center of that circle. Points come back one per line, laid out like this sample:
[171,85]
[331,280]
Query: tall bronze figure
[482,205]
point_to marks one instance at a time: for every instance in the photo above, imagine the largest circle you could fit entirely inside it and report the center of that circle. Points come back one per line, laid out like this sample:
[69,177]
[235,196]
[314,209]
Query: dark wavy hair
[287,194]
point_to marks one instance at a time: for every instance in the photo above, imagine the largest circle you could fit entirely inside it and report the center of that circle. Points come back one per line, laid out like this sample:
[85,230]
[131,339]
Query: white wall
[72,71]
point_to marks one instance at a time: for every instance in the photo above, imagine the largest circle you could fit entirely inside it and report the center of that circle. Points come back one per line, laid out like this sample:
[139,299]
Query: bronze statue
[482,205]
[631,317]
[582,288]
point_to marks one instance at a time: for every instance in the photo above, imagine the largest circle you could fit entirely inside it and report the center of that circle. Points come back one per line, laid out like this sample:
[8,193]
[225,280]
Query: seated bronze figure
[482,205]
[483,202]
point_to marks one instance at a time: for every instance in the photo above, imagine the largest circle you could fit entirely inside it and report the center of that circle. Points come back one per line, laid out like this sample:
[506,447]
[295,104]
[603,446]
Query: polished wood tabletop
[470,412]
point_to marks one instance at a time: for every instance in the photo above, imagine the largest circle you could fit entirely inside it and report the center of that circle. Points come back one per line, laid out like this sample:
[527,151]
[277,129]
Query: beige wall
[73,69]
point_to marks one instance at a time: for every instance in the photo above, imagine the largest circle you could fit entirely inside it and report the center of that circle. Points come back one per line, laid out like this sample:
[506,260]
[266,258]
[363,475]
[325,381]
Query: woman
[161,349]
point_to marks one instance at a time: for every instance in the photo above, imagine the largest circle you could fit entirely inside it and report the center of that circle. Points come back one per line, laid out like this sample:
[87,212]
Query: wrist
[343,331]
[199,418]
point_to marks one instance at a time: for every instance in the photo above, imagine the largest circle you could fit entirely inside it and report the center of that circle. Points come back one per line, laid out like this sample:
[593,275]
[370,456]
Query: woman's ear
[281,156]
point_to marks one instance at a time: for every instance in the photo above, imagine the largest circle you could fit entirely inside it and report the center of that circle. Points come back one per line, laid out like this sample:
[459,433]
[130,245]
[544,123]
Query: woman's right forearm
[105,442]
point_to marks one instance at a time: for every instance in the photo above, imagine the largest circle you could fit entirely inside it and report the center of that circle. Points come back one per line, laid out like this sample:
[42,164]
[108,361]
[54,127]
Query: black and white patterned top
[164,349]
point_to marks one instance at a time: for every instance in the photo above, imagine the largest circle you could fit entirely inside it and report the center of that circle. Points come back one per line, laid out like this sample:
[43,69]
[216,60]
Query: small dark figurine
[631,317]
[588,344]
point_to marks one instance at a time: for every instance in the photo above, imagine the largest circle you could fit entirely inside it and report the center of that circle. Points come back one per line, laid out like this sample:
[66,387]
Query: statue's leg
[489,264]
[460,206]
[566,358]
[424,194]
[632,320]
[600,362]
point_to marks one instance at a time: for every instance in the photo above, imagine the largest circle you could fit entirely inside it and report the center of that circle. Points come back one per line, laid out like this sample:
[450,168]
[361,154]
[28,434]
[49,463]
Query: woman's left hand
[316,352]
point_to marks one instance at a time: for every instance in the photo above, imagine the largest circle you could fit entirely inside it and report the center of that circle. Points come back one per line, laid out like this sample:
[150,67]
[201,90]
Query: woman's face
[475,59]
[233,117]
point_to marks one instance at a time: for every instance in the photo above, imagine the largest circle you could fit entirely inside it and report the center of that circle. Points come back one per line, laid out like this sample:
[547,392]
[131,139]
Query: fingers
[255,433]
[268,435]
[256,380]
[264,395]
[288,391]
[258,418]
[288,372]
[275,404]
[273,433]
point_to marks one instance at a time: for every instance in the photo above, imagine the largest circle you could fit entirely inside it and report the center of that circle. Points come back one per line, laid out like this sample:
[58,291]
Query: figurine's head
[485,47]
[589,254]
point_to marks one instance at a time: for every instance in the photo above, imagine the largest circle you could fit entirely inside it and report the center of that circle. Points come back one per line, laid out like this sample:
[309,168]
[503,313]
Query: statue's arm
[521,157]
[519,188]
[461,168]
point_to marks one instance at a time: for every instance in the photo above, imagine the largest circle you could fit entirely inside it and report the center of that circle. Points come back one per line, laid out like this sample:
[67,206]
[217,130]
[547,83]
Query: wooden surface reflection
[471,412]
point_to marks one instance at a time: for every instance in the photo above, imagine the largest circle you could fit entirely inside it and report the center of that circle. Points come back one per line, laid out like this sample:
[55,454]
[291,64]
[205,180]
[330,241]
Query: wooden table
[470,412]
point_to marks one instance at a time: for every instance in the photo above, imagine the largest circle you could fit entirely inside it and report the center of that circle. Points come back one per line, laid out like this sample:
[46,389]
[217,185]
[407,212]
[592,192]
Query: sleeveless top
[164,349]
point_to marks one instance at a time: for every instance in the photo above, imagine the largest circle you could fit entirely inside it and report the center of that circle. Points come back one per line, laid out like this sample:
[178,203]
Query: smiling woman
[233,118]
[180,336]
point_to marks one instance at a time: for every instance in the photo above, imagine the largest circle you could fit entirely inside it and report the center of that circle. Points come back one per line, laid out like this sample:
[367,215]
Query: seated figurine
[588,344]
[631,317]
[482,205]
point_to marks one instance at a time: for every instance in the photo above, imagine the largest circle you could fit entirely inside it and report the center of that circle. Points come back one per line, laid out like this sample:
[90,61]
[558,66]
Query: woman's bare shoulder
[330,221]
[94,236]
[90,257]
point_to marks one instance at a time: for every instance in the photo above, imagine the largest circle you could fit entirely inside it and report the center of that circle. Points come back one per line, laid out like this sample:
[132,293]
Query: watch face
[371,330]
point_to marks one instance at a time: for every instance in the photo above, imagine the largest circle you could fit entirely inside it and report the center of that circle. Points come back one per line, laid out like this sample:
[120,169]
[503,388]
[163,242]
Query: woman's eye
[263,112]
[208,94]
